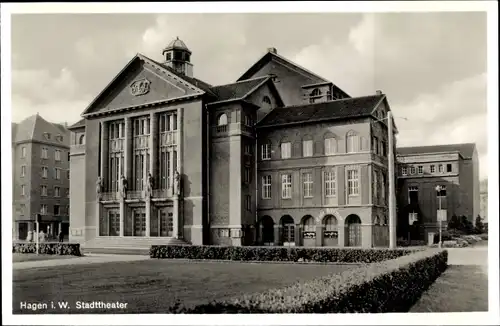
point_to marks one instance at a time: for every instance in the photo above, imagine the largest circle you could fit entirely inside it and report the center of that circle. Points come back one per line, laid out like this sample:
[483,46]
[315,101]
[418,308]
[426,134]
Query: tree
[479,225]
[454,223]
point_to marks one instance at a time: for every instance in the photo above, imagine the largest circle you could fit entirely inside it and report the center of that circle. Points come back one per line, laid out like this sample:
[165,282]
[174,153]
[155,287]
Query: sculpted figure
[149,185]
[98,186]
[177,183]
[124,185]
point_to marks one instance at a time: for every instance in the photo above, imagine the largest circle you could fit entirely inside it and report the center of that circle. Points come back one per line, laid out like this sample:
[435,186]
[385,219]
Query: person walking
[61,236]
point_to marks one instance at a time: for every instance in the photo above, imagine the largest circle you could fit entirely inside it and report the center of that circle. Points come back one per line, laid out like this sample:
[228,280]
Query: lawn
[152,286]
[461,288]
[16,257]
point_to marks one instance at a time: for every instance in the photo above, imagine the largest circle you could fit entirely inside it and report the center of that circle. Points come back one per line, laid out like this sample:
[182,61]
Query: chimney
[272,50]
[379,92]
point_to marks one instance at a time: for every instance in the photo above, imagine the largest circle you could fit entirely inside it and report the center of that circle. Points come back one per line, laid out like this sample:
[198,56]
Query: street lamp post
[392,208]
[439,217]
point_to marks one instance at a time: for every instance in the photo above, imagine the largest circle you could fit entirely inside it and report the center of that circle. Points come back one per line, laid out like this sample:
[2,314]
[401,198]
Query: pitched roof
[200,85]
[465,149]
[35,128]
[338,109]
[268,57]
[79,124]
[238,90]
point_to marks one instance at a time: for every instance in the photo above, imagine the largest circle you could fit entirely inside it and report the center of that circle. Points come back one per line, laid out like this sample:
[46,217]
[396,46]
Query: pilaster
[319,235]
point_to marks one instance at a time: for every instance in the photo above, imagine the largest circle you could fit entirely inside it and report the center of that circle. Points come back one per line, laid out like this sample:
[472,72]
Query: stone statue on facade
[123,186]
[149,185]
[177,183]
[98,186]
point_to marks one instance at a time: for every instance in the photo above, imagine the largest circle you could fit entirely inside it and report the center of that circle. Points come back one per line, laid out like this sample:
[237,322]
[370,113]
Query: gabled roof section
[332,110]
[193,83]
[79,124]
[270,55]
[466,150]
[35,128]
[239,90]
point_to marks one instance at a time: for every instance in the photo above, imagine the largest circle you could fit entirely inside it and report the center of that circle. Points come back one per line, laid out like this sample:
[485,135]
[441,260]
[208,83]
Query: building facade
[454,167]
[40,161]
[280,157]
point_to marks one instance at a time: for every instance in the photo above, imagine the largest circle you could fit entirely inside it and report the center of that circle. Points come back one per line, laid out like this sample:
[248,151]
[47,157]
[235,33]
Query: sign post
[37,233]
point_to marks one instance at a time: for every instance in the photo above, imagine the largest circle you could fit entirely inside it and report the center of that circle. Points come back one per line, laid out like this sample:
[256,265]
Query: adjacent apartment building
[40,161]
[453,167]
[281,156]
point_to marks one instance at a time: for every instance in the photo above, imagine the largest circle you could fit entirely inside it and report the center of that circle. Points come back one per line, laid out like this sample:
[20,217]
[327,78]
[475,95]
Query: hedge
[325,255]
[47,248]
[389,286]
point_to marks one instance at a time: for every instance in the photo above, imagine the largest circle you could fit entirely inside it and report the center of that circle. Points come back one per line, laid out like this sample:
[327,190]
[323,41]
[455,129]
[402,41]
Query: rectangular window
[266,151]
[420,169]
[307,148]
[352,143]
[247,176]
[248,149]
[382,183]
[440,167]
[442,192]
[448,168]
[22,209]
[45,153]
[43,209]
[307,181]
[67,174]
[286,150]
[286,186]
[330,146]
[248,202]
[412,170]
[45,172]
[57,155]
[69,157]
[23,190]
[57,192]
[44,190]
[433,168]
[266,187]
[57,173]
[404,170]
[23,170]
[330,184]
[384,146]
[375,145]
[67,192]
[412,195]
[353,182]
[23,152]
[57,209]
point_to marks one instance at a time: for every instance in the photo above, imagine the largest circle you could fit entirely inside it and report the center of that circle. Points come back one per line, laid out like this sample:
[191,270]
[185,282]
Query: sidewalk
[463,287]
[87,259]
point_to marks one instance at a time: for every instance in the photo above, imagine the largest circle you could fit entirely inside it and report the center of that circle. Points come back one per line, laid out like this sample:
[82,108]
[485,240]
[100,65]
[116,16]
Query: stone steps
[126,245]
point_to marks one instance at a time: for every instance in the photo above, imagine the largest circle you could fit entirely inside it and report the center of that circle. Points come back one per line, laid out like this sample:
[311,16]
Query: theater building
[282,156]
[453,167]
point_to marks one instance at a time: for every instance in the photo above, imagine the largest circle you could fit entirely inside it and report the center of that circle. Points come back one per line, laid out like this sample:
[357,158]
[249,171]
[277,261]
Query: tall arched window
[222,121]
[81,140]
[266,100]
[352,142]
[330,144]
[309,225]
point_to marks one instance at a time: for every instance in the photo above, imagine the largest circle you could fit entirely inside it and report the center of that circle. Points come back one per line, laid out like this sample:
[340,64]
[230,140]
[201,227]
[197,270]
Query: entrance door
[353,231]
[166,217]
[114,223]
[267,231]
[23,230]
[288,231]
[139,223]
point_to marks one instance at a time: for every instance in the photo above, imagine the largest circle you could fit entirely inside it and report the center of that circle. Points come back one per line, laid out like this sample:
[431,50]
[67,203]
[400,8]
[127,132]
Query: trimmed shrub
[389,286]
[324,255]
[47,248]
[406,243]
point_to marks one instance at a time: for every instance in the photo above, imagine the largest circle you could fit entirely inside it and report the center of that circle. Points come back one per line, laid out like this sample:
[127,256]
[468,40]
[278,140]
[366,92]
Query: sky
[432,66]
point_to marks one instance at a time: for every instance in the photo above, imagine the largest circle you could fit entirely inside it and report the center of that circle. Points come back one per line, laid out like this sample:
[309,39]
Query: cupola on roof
[177,44]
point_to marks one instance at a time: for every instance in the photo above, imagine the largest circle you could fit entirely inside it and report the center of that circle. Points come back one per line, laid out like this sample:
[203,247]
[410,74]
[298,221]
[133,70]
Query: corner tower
[177,56]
